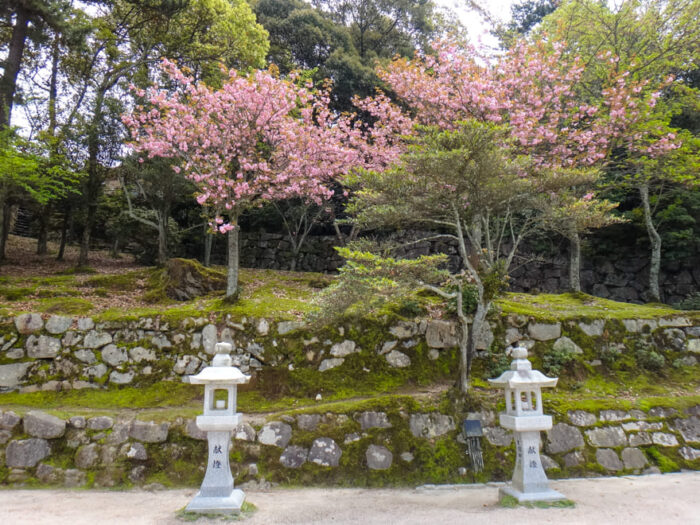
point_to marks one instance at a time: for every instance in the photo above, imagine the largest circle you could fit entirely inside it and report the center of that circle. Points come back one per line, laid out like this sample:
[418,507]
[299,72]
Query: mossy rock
[185,279]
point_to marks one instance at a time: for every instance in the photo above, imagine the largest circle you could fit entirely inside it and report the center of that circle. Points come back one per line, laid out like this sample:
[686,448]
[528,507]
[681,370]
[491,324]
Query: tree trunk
[295,255]
[574,263]
[85,240]
[4,225]
[463,380]
[94,179]
[208,241]
[43,235]
[655,240]
[163,238]
[482,309]
[114,252]
[232,273]
[64,234]
[8,82]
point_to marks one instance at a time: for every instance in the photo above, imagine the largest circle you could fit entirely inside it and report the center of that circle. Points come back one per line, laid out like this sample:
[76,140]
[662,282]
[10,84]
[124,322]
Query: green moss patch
[122,282]
[165,394]
[247,511]
[65,305]
[560,307]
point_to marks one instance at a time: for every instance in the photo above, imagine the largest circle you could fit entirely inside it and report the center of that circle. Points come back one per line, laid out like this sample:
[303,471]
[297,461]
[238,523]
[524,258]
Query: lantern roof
[219,374]
[521,374]
[221,371]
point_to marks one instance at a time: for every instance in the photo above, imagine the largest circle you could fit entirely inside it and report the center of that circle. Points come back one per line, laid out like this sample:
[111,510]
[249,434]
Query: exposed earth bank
[658,499]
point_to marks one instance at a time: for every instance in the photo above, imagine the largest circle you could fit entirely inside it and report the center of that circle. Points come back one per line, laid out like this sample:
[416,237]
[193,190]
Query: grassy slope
[287,295]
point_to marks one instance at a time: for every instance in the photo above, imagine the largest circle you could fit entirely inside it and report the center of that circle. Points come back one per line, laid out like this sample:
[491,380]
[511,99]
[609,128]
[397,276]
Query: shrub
[650,359]
[554,360]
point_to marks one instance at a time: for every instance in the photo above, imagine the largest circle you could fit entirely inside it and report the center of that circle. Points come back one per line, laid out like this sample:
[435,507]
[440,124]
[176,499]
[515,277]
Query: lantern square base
[522,497]
[225,505]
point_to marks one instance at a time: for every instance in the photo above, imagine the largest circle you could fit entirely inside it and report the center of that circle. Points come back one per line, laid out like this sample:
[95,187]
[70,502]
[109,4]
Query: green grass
[15,293]
[247,510]
[118,282]
[561,307]
[162,395]
[65,305]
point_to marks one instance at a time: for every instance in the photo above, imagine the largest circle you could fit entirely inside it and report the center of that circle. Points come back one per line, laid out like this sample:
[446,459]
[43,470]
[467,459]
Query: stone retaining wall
[368,447]
[61,353]
[623,277]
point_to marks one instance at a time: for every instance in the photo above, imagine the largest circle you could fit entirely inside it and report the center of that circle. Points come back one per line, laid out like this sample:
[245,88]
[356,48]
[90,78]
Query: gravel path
[657,499]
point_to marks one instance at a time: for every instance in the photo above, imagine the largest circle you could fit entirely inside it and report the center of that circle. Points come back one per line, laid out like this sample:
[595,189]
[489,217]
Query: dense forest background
[67,68]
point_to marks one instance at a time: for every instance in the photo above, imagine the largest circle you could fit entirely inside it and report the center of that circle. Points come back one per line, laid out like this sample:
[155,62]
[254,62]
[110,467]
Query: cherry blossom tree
[540,91]
[557,135]
[258,138]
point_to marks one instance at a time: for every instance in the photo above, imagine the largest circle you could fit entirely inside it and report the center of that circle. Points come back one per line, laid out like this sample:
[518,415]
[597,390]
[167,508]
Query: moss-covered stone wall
[56,353]
[387,441]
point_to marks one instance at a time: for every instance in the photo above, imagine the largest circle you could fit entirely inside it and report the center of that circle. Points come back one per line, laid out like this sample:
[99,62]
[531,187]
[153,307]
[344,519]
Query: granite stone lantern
[524,417]
[217,495]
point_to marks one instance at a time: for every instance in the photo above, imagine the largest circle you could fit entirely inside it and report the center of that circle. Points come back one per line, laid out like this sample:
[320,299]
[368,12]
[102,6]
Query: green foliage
[554,361]
[662,461]
[692,302]
[649,359]
[470,299]
[341,41]
[368,284]
[495,362]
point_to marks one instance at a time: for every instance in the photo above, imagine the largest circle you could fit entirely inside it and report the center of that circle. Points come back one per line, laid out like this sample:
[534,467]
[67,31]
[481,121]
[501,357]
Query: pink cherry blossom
[260,138]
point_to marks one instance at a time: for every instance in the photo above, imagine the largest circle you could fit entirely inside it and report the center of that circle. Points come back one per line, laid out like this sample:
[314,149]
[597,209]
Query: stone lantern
[217,495]
[524,417]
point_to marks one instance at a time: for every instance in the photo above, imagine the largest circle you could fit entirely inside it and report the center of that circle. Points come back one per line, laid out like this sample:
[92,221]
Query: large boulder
[86,457]
[689,429]
[441,334]
[43,347]
[369,420]
[275,433]
[113,355]
[28,323]
[397,359]
[11,375]
[57,324]
[308,421]
[26,452]
[294,456]
[607,437]
[563,438]
[343,349]
[94,339]
[544,331]
[378,457]
[581,418]
[325,452]
[149,432]
[634,459]
[185,279]
[608,459]
[566,345]
[430,425]
[42,425]
[100,423]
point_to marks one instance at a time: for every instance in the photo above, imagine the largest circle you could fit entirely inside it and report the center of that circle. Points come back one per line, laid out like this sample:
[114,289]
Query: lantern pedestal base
[522,497]
[217,505]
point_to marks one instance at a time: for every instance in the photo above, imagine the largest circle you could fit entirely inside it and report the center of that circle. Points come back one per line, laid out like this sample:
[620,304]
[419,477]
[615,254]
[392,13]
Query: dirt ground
[657,499]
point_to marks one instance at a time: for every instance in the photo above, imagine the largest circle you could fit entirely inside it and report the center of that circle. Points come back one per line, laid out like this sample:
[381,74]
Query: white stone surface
[343,349]
[398,359]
